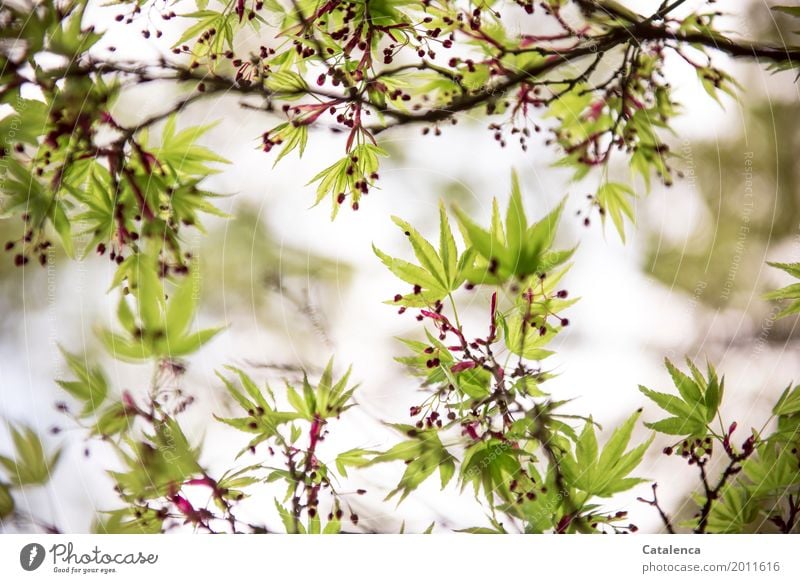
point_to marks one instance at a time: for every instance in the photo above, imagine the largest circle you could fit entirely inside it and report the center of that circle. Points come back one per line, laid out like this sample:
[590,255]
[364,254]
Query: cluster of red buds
[31,243]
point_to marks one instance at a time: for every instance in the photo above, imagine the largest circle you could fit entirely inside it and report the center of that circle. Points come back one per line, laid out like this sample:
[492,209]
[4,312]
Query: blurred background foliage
[250,257]
[747,186]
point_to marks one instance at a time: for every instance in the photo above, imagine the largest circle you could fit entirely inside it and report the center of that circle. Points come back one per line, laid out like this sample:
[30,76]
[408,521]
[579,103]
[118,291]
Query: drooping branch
[637,34]
[325,70]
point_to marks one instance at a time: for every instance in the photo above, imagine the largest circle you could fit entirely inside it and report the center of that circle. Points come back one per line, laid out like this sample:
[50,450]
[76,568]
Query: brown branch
[629,33]
[734,48]
[657,505]
[712,493]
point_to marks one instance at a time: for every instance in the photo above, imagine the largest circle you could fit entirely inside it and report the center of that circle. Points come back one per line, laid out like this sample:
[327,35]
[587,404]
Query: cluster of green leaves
[46,170]
[157,464]
[695,406]
[438,273]
[486,419]
[349,177]
[327,400]
[156,456]
[520,250]
[296,434]
[159,461]
[107,416]
[615,200]
[790,292]
[423,454]
[69,166]
[764,496]
[335,61]
[30,466]
[160,328]
[605,473]
[327,63]
[759,487]
[763,492]
[592,124]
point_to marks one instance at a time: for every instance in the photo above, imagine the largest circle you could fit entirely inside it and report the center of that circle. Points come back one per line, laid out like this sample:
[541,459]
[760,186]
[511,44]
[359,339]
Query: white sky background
[619,332]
